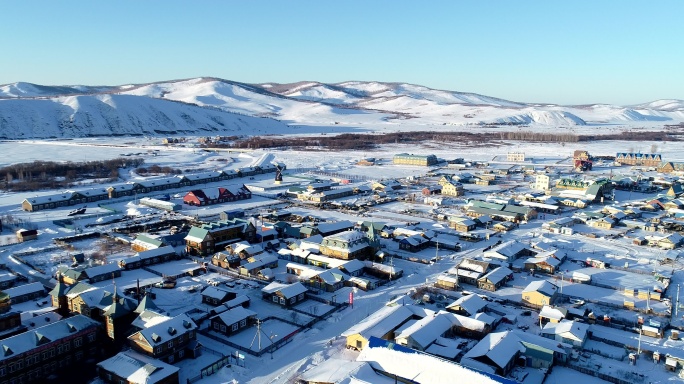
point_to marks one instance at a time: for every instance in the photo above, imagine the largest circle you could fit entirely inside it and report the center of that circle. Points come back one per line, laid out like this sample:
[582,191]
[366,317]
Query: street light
[272,345]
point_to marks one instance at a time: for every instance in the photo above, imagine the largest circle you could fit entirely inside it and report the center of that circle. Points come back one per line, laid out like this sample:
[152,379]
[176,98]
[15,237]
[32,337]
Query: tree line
[49,174]
[356,141]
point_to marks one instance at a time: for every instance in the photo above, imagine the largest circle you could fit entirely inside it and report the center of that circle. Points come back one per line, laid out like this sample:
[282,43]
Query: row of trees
[348,141]
[50,174]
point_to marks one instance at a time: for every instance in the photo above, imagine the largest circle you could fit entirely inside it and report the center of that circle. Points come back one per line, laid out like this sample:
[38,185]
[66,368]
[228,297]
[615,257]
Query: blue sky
[620,52]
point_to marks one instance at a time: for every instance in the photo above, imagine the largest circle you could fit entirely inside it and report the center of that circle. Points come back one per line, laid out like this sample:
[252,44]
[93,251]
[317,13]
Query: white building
[542,183]
[515,156]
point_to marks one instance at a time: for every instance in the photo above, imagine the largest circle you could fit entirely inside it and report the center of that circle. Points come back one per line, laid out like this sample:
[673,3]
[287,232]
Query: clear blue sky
[619,52]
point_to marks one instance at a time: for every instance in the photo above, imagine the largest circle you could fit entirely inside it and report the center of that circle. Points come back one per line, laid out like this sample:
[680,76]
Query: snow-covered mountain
[215,106]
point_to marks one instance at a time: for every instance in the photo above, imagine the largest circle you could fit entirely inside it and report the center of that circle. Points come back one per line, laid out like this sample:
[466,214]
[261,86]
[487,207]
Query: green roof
[197,232]
[149,240]
[537,352]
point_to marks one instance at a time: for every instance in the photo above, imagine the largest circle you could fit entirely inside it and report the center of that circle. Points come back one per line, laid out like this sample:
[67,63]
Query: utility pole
[677,303]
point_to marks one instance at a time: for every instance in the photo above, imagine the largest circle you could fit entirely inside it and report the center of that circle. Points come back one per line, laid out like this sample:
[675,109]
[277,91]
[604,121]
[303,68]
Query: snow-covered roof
[166,330]
[550,312]
[498,274]
[567,329]
[235,315]
[149,318]
[470,304]
[25,289]
[27,341]
[508,249]
[473,265]
[422,368]
[332,276]
[101,270]
[425,331]
[541,286]
[385,320]
[499,347]
[329,261]
[137,368]
[215,292]
[332,371]
[287,290]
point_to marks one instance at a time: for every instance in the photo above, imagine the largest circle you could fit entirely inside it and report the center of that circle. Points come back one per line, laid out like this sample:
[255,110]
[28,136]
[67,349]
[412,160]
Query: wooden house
[170,340]
[468,305]
[495,279]
[568,332]
[462,224]
[232,321]
[216,296]
[414,243]
[539,293]
[447,281]
[149,257]
[285,295]
[432,190]
[145,243]
[225,259]
[213,237]
[346,245]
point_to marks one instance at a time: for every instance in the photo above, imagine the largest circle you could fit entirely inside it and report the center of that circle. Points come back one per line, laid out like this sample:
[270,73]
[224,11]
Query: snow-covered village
[350,192]
[526,263]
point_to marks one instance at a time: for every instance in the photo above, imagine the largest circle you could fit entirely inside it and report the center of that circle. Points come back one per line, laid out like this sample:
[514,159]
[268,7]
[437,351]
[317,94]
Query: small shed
[27,234]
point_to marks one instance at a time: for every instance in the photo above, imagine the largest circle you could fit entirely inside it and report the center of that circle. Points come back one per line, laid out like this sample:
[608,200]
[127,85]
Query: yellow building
[539,293]
[410,159]
[452,189]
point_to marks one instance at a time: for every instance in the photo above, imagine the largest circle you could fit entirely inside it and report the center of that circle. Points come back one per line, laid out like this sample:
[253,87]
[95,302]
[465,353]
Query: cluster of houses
[133,188]
[465,332]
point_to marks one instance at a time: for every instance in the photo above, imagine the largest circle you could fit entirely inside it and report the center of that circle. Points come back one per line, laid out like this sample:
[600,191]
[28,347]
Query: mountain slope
[203,105]
[102,115]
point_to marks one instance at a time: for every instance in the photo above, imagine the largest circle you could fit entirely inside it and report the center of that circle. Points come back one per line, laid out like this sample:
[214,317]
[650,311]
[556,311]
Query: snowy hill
[211,106]
[104,115]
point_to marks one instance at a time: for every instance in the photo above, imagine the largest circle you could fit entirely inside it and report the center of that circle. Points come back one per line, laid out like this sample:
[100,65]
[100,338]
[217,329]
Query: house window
[223,328]
[301,296]
[216,326]
[234,327]
[243,323]
[282,300]
[158,350]
[275,299]
[79,356]
[170,344]
[2,371]
[181,353]
[78,342]
[293,300]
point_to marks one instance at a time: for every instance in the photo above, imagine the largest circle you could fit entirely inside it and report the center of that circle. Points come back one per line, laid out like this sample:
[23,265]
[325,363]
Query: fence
[635,377]
[212,368]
